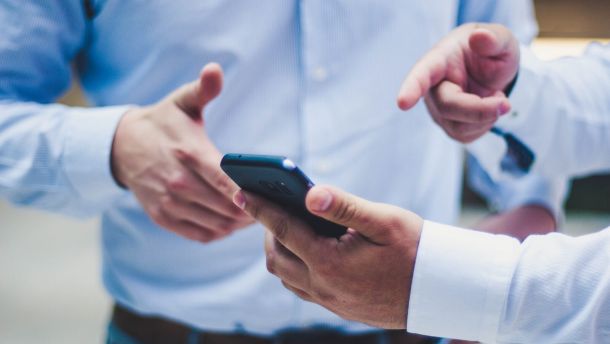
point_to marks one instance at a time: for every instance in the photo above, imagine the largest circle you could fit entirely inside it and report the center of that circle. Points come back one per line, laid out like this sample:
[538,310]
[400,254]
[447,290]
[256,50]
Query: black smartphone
[279,180]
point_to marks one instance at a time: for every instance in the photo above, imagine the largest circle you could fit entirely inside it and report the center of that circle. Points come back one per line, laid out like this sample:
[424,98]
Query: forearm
[477,286]
[528,205]
[520,222]
[57,158]
[559,291]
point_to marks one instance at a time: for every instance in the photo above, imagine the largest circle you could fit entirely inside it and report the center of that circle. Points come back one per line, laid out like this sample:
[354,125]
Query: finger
[288,230]
[491,40]
[298,292]
[373,220]
[199,215]
[456,105]
[187,229]
[205,163]
[188,186]
[284,264]
[193,97]
[465,132]
[426,73]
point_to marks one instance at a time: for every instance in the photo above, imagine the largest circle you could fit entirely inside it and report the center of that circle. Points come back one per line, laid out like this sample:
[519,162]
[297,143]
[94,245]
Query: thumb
[194,96]
[376,221]
[493,41]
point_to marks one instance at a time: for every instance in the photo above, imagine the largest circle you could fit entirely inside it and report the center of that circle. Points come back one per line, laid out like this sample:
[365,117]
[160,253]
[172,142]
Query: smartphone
[279,180]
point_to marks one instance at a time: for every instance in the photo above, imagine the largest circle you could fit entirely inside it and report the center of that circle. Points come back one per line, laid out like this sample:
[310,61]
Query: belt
[157,330]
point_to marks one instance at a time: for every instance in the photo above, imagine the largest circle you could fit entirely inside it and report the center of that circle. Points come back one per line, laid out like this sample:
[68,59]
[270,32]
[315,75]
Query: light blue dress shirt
[314,80]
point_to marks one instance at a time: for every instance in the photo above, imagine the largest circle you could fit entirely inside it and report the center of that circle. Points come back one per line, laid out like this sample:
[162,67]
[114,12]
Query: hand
[365,275]
[463,79]
[163,155]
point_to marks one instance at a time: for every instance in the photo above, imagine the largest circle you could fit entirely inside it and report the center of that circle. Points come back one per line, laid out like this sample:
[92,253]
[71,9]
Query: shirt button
[320,74]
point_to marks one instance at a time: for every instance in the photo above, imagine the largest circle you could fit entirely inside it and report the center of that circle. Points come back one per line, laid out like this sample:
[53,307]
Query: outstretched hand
[163,155]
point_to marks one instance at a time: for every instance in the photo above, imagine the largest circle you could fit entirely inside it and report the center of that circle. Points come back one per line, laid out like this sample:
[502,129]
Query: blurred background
[50,289]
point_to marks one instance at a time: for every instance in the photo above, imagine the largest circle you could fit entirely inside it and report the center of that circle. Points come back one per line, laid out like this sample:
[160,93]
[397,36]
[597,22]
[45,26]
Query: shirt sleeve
[478,286]
[509,193]
[561,110]
[506,194]
[51,156]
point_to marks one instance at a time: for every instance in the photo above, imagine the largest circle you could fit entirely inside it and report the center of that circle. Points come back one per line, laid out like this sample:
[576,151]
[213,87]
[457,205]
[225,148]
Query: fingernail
[322,201]
[239,199]
[503,109]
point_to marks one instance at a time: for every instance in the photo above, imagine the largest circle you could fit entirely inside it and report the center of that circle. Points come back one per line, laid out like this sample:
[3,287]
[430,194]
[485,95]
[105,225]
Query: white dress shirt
[549,289]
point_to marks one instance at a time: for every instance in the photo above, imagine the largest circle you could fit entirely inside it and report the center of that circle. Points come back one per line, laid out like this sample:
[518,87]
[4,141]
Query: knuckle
[166,203]
[237,213]
[157,215]
[280,228]
[469,138]
[254,210]
[185,154]
[298,292]
[222,180]
[178,182]
[324,297]
[271,263]
[204,238]
[395,222]
[228,226]
[346,212]
[446,108]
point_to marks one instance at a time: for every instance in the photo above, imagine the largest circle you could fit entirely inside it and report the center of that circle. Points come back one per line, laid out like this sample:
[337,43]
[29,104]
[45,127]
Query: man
[313,80]
[395,270]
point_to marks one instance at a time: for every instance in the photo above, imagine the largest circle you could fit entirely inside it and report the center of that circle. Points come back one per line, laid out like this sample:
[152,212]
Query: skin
[366,274]
[164,156]
[345,274]
[463,79]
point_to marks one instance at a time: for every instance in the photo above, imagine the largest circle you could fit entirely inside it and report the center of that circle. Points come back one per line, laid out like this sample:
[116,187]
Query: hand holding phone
[279,180]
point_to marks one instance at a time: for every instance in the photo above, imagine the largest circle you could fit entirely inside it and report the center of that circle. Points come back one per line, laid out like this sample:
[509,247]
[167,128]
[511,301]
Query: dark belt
[156,330]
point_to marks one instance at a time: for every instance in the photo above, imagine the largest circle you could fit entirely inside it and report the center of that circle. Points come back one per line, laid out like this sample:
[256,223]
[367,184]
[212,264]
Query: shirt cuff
[87,152]
[460,282]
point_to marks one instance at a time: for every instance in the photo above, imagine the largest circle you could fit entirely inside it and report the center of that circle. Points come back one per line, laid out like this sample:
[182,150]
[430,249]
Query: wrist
[117,152]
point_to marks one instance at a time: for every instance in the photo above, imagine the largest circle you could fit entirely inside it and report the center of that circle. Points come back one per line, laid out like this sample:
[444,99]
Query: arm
[534,199]
[527,205]
[561,107]
[509,292]
[562,112]
[43,161]
[59,158]
[440,280]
